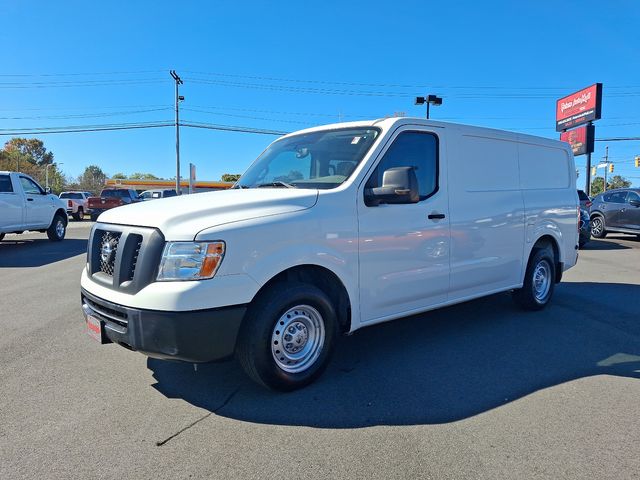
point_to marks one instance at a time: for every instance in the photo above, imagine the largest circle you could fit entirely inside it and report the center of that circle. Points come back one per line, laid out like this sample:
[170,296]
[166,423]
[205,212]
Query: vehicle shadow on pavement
[39,252]
[594,244]
[439,367]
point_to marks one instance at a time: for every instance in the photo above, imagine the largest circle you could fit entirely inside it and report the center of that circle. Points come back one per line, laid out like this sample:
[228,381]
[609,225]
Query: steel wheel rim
[541,280]
[596,226]
[60,228]
[297,339]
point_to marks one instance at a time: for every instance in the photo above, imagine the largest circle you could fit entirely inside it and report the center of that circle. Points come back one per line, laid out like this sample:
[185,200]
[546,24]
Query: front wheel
[539,281]
[58,228]
[287,336]
[597,227]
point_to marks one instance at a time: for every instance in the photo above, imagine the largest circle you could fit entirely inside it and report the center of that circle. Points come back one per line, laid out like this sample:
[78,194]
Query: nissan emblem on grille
[108,249]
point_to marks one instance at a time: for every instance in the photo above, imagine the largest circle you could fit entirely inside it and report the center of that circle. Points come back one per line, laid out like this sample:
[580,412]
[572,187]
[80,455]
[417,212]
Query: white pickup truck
[25,205]
[330,230]
[77,204]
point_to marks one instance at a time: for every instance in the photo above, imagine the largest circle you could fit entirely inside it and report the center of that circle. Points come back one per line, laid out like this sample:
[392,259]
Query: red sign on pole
[581,139]
[579,108]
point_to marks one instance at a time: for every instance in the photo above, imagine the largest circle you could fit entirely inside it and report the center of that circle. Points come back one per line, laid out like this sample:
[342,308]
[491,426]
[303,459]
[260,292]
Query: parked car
[25,205]
[110,198]
[616,211]
[301,250]
[585,227]
[153,194]
[77,205]
[585,201]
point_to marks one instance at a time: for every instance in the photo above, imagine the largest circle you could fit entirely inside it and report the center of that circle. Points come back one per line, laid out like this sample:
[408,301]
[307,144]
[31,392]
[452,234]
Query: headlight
[190,260]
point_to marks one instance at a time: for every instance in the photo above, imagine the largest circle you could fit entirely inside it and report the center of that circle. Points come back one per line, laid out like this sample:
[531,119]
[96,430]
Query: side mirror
[635,203]
[399,186]
[47,190]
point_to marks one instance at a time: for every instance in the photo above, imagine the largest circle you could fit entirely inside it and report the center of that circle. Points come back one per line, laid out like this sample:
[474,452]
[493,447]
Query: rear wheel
[287,336]
[58,228]
[539,280]
[597,227]
[94,217]
[79,215]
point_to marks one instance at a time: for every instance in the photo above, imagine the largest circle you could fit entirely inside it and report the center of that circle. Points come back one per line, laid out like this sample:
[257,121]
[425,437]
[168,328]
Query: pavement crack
[204,417]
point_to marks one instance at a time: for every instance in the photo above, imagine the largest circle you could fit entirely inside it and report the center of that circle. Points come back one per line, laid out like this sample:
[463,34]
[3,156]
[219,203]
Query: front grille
[107,313]
[108,250]
[123,257]
[134,258]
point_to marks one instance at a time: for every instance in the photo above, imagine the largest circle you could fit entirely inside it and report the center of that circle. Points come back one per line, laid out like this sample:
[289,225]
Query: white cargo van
[332,229]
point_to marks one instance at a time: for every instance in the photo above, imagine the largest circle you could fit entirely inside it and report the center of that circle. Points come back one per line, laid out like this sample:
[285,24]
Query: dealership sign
[579,108]
[581,139]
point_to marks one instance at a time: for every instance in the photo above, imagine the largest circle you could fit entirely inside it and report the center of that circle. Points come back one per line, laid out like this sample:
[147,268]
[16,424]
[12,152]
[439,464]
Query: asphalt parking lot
[478,390]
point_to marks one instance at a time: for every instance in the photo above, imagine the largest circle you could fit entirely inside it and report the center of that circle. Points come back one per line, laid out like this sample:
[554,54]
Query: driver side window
[30,187]
[411,149]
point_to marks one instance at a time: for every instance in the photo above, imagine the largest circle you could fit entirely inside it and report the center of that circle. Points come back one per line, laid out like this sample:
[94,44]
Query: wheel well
[544,242]
[62,212]
[596,214]
[325,280]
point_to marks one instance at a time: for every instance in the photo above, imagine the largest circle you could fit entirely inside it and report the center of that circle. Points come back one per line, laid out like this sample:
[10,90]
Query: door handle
[29,199]
[434,216]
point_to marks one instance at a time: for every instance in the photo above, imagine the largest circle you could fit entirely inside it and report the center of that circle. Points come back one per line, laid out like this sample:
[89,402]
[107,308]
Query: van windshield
[323,159]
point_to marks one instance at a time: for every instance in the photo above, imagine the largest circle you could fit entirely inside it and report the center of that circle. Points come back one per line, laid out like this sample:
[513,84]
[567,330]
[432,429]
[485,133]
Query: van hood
[181,218]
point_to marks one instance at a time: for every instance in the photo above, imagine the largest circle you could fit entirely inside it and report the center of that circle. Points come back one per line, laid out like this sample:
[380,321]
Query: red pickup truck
[111,198]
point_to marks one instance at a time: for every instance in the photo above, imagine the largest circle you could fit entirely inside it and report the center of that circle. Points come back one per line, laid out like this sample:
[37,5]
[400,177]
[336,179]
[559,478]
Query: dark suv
[616,211]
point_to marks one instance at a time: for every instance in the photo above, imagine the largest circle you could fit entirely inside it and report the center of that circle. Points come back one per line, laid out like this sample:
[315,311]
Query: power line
[132,126]
[85,115]
[79,129]
[38,85]
[391,85]
[78,74]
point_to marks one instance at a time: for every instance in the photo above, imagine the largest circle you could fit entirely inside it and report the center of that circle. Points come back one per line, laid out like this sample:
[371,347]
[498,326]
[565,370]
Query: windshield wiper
[275,184]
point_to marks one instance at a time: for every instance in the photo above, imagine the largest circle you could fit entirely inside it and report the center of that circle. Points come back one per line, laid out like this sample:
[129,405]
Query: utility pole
[587,186]
[178,81]
[606,167]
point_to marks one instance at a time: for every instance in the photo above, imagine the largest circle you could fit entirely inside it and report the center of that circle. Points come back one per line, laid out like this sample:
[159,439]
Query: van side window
[411,149]
[5,184]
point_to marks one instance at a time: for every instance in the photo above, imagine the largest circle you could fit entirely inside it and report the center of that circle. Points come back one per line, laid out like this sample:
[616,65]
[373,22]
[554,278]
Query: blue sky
[289,65]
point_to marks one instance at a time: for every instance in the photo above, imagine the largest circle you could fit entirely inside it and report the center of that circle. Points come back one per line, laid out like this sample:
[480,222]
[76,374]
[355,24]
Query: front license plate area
[95,329]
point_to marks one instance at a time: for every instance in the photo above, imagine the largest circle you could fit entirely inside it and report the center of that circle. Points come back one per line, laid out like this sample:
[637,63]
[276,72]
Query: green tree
[617,181]
[143,176]
[92,179]
[30,150]
[119,176]
[230,177]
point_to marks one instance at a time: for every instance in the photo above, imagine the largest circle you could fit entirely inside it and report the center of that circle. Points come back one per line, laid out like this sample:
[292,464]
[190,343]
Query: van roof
[394,122]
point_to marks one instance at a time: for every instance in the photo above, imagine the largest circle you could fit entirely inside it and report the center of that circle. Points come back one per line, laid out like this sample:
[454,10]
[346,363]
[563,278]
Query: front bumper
[190,336]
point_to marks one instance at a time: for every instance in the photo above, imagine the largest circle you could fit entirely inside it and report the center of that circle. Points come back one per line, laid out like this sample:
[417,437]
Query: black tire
[79,215]
[94,217]
[533,295]
[259,332]
[58,228]
[597,227]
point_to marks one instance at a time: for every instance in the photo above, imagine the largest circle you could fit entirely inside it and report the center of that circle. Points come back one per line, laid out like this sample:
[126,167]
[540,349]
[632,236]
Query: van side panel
[548,179]
[487,212]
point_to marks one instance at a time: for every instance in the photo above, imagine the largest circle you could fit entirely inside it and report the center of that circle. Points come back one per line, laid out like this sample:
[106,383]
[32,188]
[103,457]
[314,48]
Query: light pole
[179,98]
[46,170]
[429,100]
